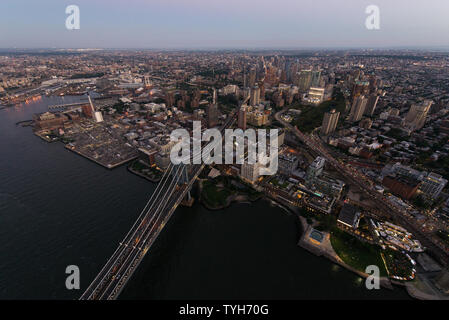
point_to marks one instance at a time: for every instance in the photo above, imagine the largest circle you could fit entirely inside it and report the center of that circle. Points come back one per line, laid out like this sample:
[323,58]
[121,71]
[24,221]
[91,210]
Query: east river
[59,209]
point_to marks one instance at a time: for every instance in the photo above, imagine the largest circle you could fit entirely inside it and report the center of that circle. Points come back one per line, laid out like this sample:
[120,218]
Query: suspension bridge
[174,186]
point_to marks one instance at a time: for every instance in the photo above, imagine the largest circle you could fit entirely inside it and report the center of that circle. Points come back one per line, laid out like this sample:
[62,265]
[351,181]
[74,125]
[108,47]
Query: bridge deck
[122,264]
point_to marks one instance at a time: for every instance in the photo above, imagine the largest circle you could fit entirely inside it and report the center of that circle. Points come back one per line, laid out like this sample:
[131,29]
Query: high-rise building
[371,105]
[246,93]
[358,108]
[316,79]
[315,169]
[196,99]
[212,115]
[255,96]
[283,77]
[271,76]
[287,163]
[256,118]
[360,88]
[170,98]
[214,96]
[242,118]
[250,172]
[278,99]
[252,77]
[262,90]
[305,80]
[212,111]
[330,121]
[97,116]
[373,83]
[417,115]
[349,216]
[196,115]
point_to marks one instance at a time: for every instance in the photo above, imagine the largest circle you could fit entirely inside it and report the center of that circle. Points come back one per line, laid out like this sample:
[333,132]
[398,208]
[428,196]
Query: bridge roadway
[67,106]
[124,261]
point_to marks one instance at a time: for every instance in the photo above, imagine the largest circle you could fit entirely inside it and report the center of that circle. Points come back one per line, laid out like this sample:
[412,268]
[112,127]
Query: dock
[105,165]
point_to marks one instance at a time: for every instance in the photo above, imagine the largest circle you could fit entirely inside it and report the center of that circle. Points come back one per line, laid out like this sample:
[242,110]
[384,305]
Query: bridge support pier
[188,200]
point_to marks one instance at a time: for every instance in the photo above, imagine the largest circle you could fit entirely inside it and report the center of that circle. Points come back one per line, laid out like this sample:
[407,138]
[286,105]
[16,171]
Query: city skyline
[362,150]
[232,24]
[228,150]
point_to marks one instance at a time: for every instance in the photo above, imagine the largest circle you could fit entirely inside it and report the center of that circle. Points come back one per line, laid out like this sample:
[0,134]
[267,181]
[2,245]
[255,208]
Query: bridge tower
[184,180]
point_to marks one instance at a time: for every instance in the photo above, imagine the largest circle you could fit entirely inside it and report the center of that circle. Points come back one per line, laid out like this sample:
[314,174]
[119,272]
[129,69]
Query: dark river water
[59,209]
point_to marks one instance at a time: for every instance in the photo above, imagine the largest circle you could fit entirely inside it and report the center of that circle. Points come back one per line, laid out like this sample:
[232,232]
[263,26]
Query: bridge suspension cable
[158,209]
[132,230]
[135,249]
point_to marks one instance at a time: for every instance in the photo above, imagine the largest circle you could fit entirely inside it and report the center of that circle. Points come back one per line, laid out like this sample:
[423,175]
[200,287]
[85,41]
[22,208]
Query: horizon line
[248,48]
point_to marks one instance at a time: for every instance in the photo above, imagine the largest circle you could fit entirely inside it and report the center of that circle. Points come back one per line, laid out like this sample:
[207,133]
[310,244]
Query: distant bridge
[67,106]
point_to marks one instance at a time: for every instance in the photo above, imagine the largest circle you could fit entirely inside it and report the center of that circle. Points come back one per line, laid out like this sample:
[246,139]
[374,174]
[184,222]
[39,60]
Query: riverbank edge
[128,167]
[110,167]
[234,198]
[229,201]
[384,281]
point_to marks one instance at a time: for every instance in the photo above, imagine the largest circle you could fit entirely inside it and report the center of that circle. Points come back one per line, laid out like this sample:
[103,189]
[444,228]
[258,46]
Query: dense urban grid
[363,136]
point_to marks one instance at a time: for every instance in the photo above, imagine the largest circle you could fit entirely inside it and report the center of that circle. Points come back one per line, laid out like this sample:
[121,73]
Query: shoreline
[66,146]
[229,201]
[234,198]
[385,282]
[106,166]
[331,256]
[128,167]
